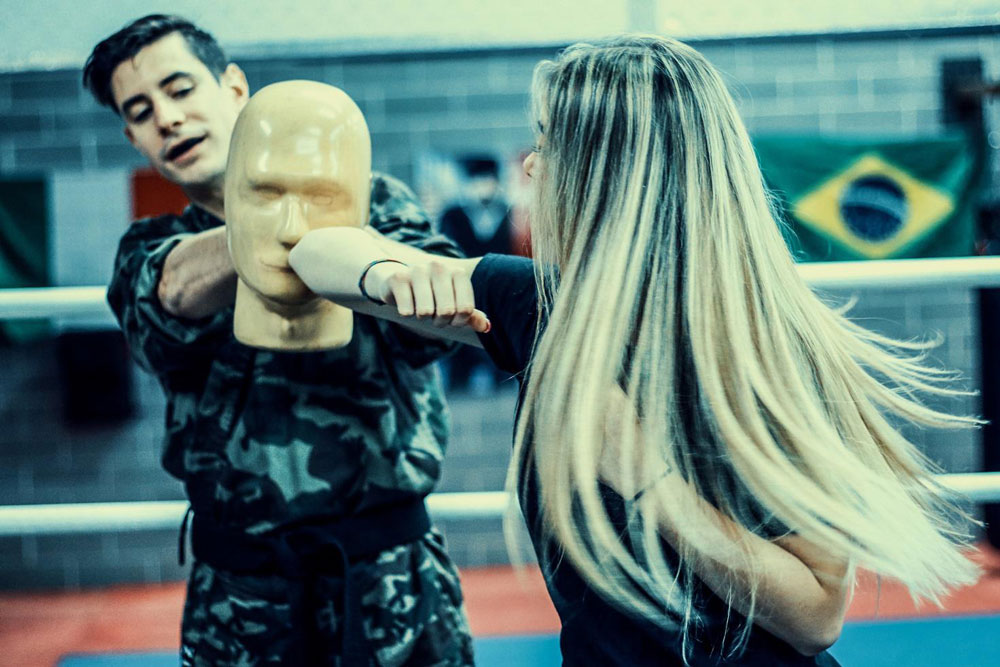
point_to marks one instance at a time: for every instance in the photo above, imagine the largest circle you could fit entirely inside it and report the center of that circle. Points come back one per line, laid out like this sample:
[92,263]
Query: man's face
[483,189]
[177,114]
[291,174]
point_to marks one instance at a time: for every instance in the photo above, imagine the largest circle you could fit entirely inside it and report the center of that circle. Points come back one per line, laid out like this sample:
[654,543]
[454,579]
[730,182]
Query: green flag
[23,248]
[848,199]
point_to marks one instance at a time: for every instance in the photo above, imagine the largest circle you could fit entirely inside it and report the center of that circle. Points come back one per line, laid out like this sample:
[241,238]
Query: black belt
[306,550]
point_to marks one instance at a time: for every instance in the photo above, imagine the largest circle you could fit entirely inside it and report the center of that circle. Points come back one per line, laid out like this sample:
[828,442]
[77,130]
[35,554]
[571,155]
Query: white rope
[68,518]
[42,302]
[980,487]
[969,272]
[166,515]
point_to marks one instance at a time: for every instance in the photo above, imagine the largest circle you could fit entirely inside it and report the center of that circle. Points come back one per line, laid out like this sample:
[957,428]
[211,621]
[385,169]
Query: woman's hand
[439,290]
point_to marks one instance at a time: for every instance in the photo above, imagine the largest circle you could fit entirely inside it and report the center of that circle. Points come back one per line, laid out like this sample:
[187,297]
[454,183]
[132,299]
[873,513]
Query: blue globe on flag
[874,207]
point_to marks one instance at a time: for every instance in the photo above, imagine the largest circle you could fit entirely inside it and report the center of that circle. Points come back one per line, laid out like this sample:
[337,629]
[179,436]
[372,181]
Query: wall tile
[45,158]
[418,105]
[24,124]
[799,55]
[59,87]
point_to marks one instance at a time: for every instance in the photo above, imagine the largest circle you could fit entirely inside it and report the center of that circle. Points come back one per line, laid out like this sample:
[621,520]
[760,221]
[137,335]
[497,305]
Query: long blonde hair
[663,275]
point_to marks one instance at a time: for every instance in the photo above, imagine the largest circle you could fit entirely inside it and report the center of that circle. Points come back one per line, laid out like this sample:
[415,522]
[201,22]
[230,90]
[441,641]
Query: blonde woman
[703,449]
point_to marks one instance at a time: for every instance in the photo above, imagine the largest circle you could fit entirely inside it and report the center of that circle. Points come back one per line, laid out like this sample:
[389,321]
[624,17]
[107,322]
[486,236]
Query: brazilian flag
[849,199]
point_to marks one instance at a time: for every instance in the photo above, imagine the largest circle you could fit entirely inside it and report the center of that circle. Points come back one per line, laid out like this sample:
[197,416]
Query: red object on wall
[153,195]
[520,187]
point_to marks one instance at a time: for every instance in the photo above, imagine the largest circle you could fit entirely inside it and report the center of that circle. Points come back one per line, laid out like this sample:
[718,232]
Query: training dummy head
[299,160]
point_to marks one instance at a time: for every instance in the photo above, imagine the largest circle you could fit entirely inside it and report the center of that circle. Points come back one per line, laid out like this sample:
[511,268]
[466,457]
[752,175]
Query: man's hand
[198,276]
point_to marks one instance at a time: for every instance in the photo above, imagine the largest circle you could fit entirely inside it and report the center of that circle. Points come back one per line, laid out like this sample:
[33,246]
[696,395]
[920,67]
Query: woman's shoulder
[504,287]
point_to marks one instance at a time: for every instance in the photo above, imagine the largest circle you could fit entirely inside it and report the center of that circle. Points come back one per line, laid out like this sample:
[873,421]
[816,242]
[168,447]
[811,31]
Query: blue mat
[526,651]
[966,641]
[972,641]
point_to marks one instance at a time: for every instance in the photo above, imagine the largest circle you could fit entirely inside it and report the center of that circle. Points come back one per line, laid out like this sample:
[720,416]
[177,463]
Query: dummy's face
[177,114]
[290,176]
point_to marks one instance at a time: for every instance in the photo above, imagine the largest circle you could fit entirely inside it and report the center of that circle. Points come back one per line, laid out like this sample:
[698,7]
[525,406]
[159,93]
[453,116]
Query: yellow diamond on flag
[873,207]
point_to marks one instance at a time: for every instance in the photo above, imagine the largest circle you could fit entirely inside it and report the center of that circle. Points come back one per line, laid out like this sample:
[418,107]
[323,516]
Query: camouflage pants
[411,606]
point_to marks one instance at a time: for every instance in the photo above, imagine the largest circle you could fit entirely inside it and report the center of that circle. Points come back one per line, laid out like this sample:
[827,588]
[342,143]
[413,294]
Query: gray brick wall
[449,102]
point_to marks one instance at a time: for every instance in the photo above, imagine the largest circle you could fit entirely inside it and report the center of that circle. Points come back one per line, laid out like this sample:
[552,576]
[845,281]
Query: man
[306,472]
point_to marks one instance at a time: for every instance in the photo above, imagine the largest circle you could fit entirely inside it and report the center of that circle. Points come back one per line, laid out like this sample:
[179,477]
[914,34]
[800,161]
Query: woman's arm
[802,591]
[427,293]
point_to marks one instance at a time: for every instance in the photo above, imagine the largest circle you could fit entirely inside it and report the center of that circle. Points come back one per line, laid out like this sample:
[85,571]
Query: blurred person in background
[306,472]
[479,222]
[704,450]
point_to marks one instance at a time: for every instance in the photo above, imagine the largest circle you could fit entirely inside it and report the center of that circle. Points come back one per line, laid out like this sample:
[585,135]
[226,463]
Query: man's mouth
[180,149]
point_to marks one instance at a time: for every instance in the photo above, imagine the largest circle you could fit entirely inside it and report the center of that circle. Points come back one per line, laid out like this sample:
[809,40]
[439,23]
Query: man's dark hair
[131,39]
[480,165]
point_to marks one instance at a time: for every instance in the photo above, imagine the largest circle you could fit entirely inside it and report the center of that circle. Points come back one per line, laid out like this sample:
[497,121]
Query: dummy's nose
[293,225]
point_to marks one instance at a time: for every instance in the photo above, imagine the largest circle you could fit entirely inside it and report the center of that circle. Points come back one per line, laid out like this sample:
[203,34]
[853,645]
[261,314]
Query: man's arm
[198,276]
[160,341]
[397,214]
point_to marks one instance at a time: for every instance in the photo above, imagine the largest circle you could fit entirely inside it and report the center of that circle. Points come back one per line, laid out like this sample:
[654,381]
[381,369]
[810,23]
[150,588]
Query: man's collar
[202,218]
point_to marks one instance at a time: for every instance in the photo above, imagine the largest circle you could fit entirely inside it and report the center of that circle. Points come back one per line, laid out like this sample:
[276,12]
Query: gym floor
[511,618]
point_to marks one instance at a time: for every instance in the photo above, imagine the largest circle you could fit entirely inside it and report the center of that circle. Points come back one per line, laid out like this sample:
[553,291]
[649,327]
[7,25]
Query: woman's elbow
[819,636]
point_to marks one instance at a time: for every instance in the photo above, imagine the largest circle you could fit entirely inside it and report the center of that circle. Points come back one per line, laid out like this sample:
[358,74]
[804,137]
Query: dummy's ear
[235,80]
[128,135]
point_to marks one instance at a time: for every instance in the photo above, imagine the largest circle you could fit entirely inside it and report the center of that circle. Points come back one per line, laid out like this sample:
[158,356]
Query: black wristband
[364,274]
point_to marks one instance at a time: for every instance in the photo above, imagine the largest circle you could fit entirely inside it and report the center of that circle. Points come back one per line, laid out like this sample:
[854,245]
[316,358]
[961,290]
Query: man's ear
[235,80]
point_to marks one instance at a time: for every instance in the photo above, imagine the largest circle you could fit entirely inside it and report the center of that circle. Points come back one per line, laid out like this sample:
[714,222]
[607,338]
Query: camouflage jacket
[264,438]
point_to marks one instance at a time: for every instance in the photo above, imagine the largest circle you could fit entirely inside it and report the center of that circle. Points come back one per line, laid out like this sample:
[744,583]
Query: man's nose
[293,223]
[168,116]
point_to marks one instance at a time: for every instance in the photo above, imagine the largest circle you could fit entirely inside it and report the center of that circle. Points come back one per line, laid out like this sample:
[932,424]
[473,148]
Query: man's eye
[183,92]
[141,116]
